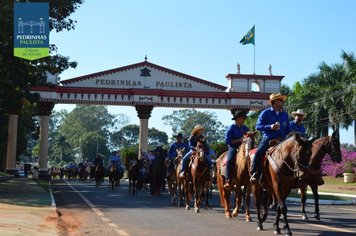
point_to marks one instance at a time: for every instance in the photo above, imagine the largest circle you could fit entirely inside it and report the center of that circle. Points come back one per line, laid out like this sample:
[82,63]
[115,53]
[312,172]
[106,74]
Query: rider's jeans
[231,153]
[261,151]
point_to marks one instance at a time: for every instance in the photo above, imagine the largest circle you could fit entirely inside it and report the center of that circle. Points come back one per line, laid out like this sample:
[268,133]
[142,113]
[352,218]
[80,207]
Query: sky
[201,38]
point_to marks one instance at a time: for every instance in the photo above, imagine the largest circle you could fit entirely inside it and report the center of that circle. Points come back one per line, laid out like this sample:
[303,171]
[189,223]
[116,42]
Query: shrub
[348,164]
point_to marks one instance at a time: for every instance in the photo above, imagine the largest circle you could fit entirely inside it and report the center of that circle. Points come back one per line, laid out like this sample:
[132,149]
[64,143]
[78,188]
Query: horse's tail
[220,182]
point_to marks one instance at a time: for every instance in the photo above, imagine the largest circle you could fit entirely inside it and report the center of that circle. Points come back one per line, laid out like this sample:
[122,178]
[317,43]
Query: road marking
[100,213]
[333,228]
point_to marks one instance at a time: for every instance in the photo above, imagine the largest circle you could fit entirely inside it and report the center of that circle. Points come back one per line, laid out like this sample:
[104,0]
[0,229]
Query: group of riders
[273,122]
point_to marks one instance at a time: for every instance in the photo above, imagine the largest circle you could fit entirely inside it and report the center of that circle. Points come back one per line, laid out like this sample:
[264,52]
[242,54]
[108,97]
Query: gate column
[44,110]
[12,138]
[144,113]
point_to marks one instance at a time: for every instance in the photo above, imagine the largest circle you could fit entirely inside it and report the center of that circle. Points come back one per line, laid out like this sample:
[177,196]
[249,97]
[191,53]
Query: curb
[324,202]
[53,201]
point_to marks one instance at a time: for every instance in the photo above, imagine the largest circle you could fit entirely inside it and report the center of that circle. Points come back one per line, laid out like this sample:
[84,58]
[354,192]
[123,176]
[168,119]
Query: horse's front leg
[247,206]
[303,198]
[197,195]
[257,195]
[238,199]
[314,188]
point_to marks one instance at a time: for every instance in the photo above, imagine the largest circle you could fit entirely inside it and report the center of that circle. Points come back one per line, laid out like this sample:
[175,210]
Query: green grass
[337,185]
[322,197]
[43,183]
[2,174]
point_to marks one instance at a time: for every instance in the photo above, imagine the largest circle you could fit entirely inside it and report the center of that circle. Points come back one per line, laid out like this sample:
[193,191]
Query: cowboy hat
[239,114]
[178,135]
[299,112]
[159,144]
[196,128]
[275,96]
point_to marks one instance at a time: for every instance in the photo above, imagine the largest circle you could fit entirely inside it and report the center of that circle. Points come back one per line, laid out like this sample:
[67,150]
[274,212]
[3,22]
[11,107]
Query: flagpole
[254,59]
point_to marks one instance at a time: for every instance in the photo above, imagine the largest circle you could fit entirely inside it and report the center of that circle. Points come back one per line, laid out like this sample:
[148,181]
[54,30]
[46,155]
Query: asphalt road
[124,214]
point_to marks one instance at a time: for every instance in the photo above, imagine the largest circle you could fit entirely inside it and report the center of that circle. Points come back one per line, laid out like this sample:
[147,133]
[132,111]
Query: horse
[200,174]
[182,184]
[99,174]
[241,178]
[114,176]
[286,163]
[326,145]
[134,176]
[157,173]
[209,184]
[171,165]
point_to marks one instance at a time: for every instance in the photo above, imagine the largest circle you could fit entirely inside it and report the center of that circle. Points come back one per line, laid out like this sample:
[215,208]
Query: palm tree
[350,84]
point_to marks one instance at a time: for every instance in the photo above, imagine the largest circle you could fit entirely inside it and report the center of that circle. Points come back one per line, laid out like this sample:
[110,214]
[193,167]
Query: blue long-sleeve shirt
[267,118]
[297,127]
[172,153]
[235,132]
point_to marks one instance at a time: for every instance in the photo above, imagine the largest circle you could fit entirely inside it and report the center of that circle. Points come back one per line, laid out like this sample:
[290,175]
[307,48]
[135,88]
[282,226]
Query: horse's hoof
[277,231]
[197,210]
[288,233]
[259,228]
[228,215]
[187,207]
[248,219]
[317,217]
[305,217]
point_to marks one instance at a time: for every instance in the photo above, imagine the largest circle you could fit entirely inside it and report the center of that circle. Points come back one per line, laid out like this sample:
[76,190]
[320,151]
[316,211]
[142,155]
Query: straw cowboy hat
[196,128]
[275,96]
[299,112]
[238,114]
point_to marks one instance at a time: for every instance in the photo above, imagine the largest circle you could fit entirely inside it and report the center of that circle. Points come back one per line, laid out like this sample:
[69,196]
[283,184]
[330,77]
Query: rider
[196,136]
[98,161]
[115,159]
[296,124]
[233,138]
[172,153]
[273,122]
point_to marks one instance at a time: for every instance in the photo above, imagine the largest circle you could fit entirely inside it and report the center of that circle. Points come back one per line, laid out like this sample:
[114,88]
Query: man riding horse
[233,138]
[196,136]
[116,160]
[273,122]
[172,153]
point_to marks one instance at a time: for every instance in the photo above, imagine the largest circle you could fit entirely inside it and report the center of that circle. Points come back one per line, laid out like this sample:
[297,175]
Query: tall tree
[183,121]
[18,75]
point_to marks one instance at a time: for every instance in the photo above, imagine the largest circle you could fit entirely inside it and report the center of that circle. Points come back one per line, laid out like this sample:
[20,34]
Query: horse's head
[335,152]
[180,153]
[249,141]
[200,152]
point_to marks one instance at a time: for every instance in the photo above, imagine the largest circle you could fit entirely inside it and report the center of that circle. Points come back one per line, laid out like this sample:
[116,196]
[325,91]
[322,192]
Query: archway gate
[146,85]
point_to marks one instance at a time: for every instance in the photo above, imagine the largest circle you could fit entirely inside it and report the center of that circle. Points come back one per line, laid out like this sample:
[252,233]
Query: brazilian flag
[249,37]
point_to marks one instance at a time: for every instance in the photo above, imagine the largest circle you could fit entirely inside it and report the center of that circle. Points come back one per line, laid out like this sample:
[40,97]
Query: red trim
[143,64]
[155,92]
[248,76]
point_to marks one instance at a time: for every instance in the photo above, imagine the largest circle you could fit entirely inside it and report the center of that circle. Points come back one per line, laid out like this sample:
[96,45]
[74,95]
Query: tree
[183,121]
[18,75]
[156,136]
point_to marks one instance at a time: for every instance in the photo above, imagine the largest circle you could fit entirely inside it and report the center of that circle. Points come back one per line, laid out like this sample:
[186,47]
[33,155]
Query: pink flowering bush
[328,167]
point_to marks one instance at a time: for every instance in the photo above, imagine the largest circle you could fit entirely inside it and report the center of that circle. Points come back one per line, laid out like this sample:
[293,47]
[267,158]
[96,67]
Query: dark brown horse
[200,174]
[157,173]
[134,176]
[241,178]
[99,175]
[326,145]
[285,164]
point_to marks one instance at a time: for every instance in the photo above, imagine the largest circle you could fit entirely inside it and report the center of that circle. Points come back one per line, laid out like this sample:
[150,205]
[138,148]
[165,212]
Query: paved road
[118,212]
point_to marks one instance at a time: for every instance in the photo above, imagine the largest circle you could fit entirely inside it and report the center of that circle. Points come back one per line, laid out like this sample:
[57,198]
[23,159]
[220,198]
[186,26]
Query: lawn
[337,185]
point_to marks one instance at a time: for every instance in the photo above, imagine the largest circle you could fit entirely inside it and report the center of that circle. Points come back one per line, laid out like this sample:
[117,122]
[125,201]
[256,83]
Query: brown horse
[285,164]
[114,176]
[183,184]
[241,178]
[171,166]
[200,175]
[326,145]
[99,175]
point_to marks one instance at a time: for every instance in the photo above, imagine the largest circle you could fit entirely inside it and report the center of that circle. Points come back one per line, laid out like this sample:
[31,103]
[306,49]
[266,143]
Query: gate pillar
[144,113]
[44,110]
